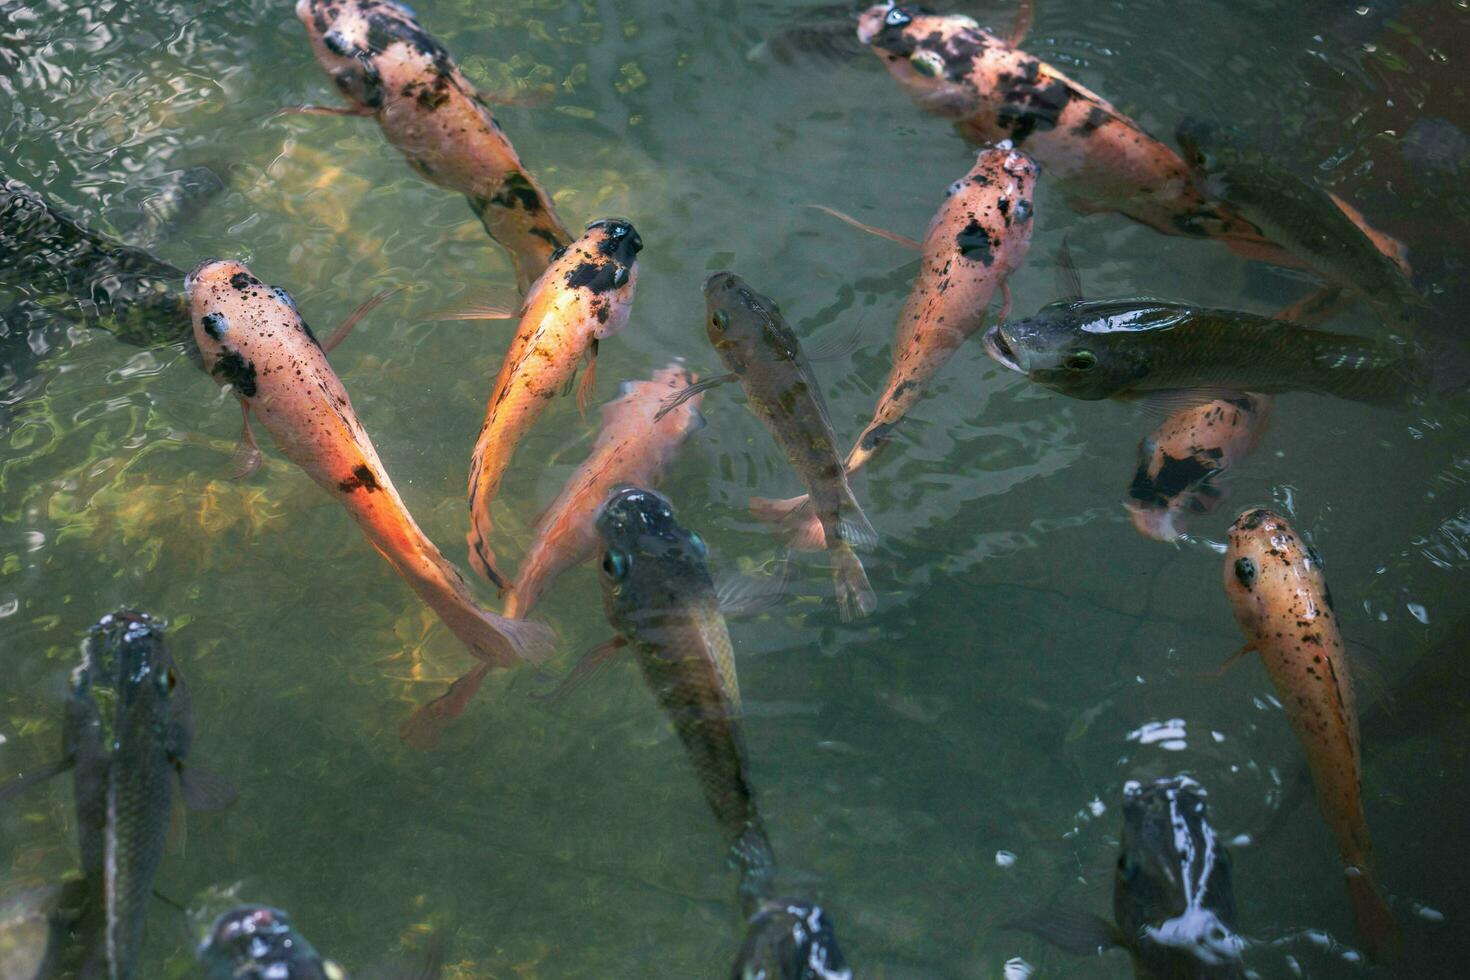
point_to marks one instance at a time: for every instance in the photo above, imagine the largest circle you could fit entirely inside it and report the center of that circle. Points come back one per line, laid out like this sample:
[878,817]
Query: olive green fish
[1318,228]
[761,351]
[659,598]
[1132,348]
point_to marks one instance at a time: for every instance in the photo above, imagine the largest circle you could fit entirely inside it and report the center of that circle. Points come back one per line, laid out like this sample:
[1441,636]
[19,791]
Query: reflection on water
[1031,653]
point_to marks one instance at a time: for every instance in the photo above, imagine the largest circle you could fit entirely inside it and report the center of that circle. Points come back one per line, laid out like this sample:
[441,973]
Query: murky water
[928,773]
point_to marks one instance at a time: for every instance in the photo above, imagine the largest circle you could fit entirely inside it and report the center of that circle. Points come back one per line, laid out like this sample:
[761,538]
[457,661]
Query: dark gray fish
[1312,224]
[180,199]
[51,260]
[126,737]
[1173,902]
[257,942]
[659,598]
[1132,348]
[1436,148]
[761,351]
[789,939]
[827,32]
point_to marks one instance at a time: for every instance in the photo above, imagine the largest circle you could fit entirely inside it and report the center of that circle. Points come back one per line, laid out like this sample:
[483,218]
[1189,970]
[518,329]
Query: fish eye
[699,545]
[898,17]
[720,319]
[1083,360]
[1128,869]
[927,63]
[615,564]
[1245,572]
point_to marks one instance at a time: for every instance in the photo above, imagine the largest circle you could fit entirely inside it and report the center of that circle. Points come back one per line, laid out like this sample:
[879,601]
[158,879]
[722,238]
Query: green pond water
[926,774]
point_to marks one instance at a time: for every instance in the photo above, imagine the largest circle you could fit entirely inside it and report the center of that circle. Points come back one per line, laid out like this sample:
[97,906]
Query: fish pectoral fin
[479,305]
[1022,25]
[356,317]
[835,348]
[426,725]
[903,240]
[1004,312]
[589,379]
[1235,658]
[322,110]
[750,595]
[1078,933]
[1068,279]
[683,395]
[204,790]
[1315,308]
[1160,405]
[592,662]
[247,456]
[38,775]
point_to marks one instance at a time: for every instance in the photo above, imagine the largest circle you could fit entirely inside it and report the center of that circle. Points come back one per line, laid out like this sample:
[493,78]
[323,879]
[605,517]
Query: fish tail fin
[753,855]
[796,516]
[854,526]
[855,596]
[1377,929]
[426,725]
[531,641]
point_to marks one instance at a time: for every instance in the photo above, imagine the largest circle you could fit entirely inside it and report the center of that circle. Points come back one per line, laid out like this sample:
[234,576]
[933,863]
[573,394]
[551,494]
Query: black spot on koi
[974,243]
[361,478]
[237,371]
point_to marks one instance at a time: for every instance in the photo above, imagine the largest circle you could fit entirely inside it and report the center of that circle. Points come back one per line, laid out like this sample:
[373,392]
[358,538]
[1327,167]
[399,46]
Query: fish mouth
[1000,350]
[193,274]
[622,242]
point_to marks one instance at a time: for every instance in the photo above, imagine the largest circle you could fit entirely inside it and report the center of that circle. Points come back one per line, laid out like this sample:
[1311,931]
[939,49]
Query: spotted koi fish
[584,296]
[253,339]
[388,67]
[1275,584]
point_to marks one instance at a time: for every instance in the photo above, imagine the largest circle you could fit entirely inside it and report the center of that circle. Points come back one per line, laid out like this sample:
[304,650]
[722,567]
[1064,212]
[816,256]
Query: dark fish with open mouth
[257,942]
[790,939]
[761,351]
[659,598]
[124,761]
[1316,226]
[1179,354]
[388,67]
[1173,901]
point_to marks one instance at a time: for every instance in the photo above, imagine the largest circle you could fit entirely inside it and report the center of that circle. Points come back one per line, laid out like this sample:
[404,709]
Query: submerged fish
[584,297]
[254,340]
[659,598]
[1317,227]
[993,91]
[124,760]
[632,449]
[789,939]
[1281,602]
[1173,901]
[387,66]
[257,942]
[977,239]
[54,262]
[1128,348]
[1180,462]
[762,353]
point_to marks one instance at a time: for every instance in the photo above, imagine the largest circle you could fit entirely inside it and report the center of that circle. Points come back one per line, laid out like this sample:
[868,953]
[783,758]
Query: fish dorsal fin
[1078,933]
[1160,405]
[1069,280]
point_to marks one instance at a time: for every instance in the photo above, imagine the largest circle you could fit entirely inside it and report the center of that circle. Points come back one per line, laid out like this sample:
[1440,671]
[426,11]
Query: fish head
[1265,559]
[745,327]
[126,653]
[931,55]
[600,269]
[257,942]
[650,563]
[356,41]
[788,939]
[1063,348]
[1212,150]
[1172,892]
[236,318]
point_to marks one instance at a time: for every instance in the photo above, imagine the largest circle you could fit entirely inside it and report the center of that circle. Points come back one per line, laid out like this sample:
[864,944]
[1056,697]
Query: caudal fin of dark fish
[1078,933]
[34,777]
[855,596]
[427,964]
[754,857]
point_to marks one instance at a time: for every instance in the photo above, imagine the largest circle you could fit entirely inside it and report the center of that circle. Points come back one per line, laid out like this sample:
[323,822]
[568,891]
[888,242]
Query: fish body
[757,345]
[385,64]
[1276,587]
[256,942]
[975,242]
[585,295]
[55,262]
[253,339]
[1323,231]
[1129,348]
[790,939]
[658,596]
[994,91]
[632,449]
[1180,462]
[1173,899]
